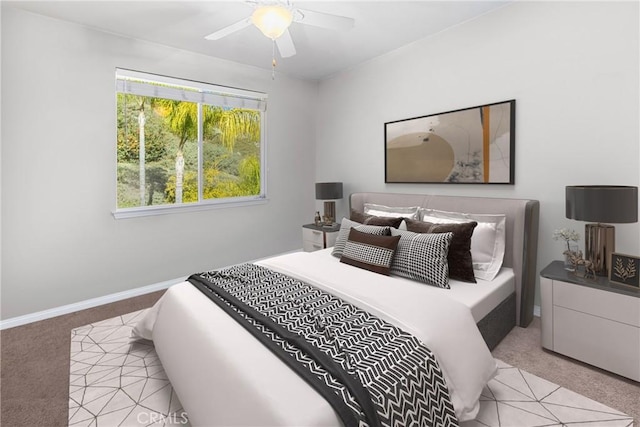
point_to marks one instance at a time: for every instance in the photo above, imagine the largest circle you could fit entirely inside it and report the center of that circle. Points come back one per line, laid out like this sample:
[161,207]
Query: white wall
[60,243]
[571,66]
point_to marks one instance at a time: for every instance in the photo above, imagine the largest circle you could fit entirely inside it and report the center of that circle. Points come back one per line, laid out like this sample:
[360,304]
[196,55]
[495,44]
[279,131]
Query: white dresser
[316,237]
[591,320]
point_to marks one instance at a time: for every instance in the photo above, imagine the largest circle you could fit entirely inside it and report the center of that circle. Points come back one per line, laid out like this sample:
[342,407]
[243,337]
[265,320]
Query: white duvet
[225,377]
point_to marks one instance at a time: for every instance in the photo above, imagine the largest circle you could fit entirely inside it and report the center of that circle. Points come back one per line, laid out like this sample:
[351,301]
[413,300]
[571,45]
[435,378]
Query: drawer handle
[317,232]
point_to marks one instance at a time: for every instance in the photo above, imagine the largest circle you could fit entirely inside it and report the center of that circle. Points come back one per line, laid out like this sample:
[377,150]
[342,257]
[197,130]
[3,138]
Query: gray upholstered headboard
[521,232]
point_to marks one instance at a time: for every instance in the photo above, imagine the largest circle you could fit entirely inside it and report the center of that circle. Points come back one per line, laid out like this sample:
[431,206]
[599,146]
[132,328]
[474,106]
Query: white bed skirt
[225,377]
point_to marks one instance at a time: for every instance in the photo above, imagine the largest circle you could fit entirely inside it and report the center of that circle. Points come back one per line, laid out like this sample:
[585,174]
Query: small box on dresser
[316,237]
[591,320]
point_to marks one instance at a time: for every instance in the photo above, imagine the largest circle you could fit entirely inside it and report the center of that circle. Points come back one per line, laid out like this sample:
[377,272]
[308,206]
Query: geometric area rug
[116,380]
[519,399]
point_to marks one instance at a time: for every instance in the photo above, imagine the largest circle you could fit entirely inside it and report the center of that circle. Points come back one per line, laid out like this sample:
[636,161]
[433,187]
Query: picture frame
[474,145]
[625,270]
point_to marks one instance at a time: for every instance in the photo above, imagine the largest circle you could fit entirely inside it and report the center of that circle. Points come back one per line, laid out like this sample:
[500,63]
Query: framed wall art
[625,270]
[473,145]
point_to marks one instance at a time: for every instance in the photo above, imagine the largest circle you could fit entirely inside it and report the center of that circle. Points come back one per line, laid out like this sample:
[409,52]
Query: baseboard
[536,310]
[94,302]
[83,305]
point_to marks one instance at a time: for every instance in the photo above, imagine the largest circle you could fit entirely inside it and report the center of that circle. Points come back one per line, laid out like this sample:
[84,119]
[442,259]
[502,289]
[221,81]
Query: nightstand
[316,237]
[591,320]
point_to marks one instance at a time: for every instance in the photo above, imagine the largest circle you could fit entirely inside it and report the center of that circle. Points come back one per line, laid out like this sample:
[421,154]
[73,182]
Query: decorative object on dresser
[572,248]
[625,270]
[329,191]
[316,237]
[576,260]
[595,321]
[601,204]
[474,145]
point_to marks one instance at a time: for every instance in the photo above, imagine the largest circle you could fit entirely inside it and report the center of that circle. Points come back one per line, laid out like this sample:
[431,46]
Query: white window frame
[130,81]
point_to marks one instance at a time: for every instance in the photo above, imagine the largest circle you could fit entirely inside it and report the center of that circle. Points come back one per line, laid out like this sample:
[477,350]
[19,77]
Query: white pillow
[387,211]
[487,241]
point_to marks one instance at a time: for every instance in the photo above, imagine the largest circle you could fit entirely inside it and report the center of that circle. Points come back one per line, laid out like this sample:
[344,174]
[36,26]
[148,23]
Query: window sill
[191,207]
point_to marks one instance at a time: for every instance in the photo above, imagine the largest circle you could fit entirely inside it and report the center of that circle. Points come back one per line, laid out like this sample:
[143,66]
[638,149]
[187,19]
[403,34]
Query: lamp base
[329,212]
[599,243]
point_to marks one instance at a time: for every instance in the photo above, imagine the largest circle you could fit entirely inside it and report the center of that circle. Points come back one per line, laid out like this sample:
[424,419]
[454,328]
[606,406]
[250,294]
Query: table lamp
[601,204]
[329,191]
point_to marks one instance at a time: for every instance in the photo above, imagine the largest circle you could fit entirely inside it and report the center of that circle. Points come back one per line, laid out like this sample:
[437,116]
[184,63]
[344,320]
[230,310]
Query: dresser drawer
[308,246]
[313,236]
[607,305]
[600,342]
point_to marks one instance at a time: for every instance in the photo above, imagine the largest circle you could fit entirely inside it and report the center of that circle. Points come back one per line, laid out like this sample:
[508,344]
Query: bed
[521,247]
[224,376]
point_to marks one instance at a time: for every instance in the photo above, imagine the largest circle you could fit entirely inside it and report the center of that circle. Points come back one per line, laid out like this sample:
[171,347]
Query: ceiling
[380,27]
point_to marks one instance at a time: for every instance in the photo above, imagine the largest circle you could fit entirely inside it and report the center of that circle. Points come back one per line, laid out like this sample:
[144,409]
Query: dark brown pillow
[368,251]
[459,256]
[375,220]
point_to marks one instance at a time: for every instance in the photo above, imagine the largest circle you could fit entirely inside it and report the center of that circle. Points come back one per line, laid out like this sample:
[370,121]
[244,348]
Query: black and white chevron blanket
[371,372]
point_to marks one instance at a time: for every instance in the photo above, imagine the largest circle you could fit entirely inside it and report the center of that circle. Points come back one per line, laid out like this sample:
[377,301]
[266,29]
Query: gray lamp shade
[615,204]
[328,190]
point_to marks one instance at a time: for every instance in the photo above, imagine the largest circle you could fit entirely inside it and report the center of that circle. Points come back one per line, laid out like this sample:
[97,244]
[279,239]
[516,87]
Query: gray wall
[573,69]
[60,243]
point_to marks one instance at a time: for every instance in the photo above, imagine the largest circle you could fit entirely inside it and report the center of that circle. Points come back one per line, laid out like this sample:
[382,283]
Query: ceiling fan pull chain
[273,61]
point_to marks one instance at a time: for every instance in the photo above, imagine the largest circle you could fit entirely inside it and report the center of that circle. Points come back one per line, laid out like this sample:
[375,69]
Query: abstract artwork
[473,145]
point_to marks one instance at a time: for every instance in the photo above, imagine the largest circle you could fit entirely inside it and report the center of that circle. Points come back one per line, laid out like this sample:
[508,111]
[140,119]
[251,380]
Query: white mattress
[480,297]
[224,376]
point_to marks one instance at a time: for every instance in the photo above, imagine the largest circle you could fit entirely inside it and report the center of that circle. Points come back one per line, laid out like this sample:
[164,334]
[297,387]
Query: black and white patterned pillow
[459,256]
[370,252]
[422,257]
[345,227]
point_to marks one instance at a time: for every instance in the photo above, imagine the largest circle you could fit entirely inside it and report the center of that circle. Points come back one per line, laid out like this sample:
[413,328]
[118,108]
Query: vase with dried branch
[568,236]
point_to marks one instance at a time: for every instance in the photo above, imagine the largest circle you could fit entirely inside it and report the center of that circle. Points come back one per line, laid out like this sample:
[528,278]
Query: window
[184,144]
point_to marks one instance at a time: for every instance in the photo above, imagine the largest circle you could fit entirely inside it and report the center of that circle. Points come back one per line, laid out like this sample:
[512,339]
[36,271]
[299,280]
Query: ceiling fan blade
[325,20]
[229,30]
[285,45]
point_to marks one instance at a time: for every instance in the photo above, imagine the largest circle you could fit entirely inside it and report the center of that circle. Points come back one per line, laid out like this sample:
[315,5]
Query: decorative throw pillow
[422,257]
[345,228]
[488,240]
[375,220]
[459,255]
[382,210]
[368,251]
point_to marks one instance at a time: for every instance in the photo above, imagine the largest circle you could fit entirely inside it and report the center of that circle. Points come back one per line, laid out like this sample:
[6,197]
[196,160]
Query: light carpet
[115,380]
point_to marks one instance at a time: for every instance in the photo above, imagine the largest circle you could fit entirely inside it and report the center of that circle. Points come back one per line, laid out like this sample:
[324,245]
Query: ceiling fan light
[272,20]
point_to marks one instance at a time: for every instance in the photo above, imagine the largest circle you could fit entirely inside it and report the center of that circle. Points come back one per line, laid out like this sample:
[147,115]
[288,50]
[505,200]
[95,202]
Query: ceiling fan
[274,17]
